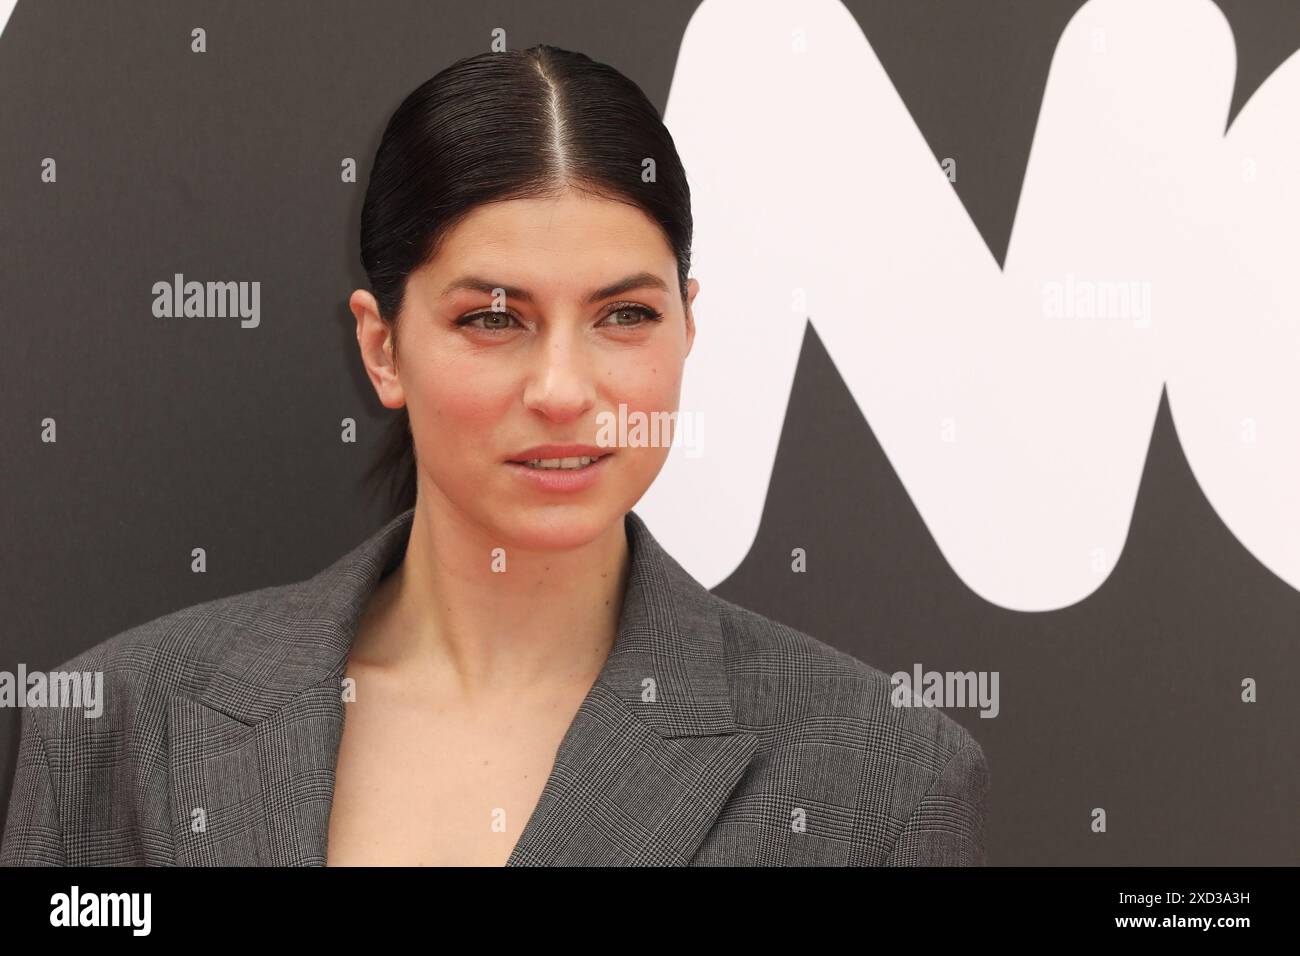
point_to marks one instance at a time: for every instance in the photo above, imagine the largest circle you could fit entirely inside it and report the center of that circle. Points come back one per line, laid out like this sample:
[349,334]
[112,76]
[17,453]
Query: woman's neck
[449,613]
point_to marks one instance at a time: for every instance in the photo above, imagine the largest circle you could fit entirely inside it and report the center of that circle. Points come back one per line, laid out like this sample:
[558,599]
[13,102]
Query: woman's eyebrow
[639,280]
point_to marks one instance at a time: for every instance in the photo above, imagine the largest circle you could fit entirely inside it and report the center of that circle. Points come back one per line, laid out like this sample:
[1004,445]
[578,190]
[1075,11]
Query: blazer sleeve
[946,828]
[32,834]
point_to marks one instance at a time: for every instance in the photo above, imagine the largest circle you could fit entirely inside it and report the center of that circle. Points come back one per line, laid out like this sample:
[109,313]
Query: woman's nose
[560,384]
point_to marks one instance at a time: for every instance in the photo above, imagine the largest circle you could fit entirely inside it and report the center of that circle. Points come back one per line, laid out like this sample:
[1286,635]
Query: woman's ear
[375,339]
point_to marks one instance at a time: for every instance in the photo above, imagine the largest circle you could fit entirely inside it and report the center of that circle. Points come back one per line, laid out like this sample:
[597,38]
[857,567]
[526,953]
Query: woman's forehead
[548,247]
[569,220]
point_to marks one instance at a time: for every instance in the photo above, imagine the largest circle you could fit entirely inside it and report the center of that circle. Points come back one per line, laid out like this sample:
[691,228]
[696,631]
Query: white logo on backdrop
[1150,247]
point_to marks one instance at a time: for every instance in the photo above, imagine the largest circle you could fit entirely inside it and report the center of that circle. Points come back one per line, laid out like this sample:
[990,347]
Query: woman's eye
[492,321]
[638,313]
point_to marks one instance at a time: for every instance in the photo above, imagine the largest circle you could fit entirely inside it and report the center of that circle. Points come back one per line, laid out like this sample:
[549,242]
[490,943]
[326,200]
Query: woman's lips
[561,479]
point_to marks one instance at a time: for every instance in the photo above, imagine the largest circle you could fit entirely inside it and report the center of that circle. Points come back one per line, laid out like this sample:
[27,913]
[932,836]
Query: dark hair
[498,126]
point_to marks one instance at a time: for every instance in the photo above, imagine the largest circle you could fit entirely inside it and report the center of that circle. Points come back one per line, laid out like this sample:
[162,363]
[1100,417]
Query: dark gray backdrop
[225,166]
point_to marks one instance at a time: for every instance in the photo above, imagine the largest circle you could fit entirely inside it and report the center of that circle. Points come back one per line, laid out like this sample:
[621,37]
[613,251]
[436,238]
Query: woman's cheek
[654,386]
[464,393]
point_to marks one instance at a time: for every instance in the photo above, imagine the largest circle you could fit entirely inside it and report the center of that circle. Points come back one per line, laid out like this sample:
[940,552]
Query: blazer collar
[644,769]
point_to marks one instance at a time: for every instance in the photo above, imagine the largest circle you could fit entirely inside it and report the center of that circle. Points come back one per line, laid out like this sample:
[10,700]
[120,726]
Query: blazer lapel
[252,759]
[654,751]
[639,777]
[254,795]
[622,795]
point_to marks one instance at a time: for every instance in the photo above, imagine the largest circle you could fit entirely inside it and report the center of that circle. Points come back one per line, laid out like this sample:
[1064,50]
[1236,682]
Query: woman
[512,670]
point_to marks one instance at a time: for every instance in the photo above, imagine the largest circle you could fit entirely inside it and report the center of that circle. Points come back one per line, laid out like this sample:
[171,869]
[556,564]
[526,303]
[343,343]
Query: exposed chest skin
[419,783]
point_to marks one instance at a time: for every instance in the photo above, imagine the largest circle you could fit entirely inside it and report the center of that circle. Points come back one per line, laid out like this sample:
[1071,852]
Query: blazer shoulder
[917,782]
[785,680]
[196,634]
[177,652]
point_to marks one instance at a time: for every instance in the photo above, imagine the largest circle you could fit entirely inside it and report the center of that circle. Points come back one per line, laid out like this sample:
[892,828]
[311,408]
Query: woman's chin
[556,527]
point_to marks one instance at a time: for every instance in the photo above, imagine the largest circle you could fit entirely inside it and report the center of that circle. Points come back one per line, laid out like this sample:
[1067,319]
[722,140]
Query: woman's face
[535,317]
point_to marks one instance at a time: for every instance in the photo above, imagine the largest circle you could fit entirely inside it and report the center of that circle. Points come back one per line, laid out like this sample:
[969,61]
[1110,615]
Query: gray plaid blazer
[763,745]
